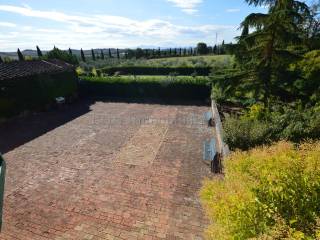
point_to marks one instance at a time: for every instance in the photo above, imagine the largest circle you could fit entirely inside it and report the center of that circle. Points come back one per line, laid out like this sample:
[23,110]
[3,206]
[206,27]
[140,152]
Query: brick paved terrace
[105,170]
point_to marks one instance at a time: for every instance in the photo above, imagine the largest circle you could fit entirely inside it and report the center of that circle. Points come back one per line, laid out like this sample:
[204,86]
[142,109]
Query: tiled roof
[19,69]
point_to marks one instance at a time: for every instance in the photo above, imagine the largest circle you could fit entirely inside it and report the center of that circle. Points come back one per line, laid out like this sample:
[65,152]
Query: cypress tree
[185,52]
[70,51]
[159,52]
[170,52]
[215,49]
[102,55]
[39,52]
[222,47]
[110,54]
[180,52]
[83,58]
[93,55]
[191,51]
[1,61]
[118,54]
[20,56]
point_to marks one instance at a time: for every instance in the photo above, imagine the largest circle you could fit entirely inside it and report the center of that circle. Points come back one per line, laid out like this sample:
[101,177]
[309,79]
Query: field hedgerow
[267,193]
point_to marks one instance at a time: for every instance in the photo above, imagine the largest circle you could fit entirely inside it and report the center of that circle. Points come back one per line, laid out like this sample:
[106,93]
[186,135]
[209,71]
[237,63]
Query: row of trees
[201,49]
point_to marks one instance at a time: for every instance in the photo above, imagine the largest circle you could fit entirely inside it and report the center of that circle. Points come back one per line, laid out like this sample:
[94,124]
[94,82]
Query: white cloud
[233,10]
[187,6]
[7,24]
[81,31]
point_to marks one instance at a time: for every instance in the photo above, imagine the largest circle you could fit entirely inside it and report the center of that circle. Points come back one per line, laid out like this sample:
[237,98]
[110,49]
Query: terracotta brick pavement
[115,171]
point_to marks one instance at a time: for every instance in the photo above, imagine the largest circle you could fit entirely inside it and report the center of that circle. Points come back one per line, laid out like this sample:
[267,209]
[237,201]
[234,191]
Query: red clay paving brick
[115,171]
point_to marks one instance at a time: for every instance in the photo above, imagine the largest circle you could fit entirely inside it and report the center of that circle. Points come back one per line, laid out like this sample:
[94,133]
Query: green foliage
[261,126]
[102,55]
[267,193]
[266,52]
[202,48]
[35,92]
[83,58]
[245,133]
[146,70]
[56,53]
[308,85]
[158,87]
[93,55]
[215,62]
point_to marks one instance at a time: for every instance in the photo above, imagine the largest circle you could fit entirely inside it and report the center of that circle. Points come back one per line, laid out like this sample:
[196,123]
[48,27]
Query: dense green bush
[35,92]
[61,55]
[244,133]
[146,70]
[308,85]
[267,193]
[260,126]
[186,88]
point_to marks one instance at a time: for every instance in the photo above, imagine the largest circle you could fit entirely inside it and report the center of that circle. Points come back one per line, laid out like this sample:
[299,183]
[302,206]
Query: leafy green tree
[20,55]
[70,51]
[131,54]
[139,53]
[202,48]
[102,55]
[39,52]
[56,53]
[83,58]
[1,61]
[93,55]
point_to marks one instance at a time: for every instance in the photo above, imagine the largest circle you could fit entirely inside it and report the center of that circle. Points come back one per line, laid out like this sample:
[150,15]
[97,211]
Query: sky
[119,23]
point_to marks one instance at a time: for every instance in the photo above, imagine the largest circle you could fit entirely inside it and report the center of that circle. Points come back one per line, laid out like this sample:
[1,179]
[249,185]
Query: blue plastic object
[209,150]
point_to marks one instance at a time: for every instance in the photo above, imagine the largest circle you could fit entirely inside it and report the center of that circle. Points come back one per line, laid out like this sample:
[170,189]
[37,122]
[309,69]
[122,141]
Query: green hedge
[144,70]
[179,88]
[35,92]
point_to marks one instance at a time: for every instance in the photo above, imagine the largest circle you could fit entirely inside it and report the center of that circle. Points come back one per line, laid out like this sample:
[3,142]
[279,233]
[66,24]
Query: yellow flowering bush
[267,193]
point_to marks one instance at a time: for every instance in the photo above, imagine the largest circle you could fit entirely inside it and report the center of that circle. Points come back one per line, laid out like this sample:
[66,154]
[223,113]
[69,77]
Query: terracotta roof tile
[21,69]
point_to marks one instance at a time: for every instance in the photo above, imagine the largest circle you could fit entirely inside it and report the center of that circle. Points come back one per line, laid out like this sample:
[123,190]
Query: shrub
[245,133]
[267,193]
[259,126]
[186,88]
[35,92]
[150,70]
[61,55]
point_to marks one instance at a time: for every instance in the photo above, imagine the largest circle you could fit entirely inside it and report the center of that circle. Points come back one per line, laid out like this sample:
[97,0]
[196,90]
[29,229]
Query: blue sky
[118,23]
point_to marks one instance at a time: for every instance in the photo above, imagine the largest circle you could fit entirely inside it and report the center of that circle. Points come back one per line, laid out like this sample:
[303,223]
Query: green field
[214,61]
